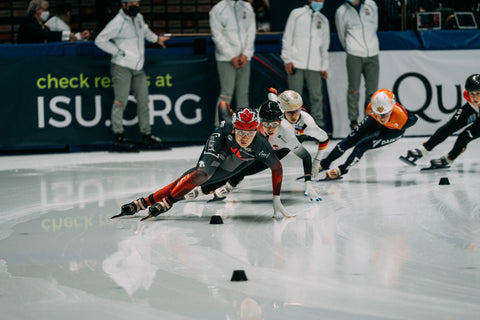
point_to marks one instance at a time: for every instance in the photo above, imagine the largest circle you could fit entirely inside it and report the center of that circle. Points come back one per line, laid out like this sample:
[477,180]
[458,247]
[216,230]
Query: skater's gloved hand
[278,208]
[316,168]
[310,192]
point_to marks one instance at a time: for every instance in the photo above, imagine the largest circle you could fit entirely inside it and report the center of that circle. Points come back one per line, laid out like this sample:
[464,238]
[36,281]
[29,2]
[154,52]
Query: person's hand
[161,40]
[72,37]
[289,68]
[85,34]
[278,208]
[242,61]
[324,75]
[235,62]
[310,192]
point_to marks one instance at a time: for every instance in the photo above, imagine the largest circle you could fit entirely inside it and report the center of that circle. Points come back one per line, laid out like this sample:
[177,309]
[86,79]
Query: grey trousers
[356,67]
[313,79]
[124,81]
[233,80]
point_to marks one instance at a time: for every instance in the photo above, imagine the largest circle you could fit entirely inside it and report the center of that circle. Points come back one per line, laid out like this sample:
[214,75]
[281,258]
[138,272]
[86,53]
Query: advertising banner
[428,83]
[53,100]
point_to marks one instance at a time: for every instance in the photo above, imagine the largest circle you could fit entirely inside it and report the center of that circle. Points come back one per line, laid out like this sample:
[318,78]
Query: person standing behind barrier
[305,53]
[61,21]
[124,38]
[33,29]
[357,24]
[232,24]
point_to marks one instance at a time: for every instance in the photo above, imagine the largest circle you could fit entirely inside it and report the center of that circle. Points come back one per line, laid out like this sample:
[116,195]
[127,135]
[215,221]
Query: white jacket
[56,23]
[124,38]
[306,126]
[358,31]
[232,24]
[285,138]
[306,40]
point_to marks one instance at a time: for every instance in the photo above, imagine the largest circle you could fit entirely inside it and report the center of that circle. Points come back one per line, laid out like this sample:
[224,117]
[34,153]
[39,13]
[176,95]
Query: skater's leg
[465,137]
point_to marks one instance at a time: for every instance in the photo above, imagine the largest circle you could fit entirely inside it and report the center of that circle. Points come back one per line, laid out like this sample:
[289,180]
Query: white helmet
[290,100]
[383,101]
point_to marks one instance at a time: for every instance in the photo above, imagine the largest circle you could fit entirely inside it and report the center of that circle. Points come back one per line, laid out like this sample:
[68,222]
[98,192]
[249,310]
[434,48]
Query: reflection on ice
[131,267]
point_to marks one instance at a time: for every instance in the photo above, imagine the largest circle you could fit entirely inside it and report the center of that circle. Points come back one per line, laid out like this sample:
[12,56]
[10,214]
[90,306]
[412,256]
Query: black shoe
[134,206]
[159,208]
[353,124]
[149,139]
[121,143]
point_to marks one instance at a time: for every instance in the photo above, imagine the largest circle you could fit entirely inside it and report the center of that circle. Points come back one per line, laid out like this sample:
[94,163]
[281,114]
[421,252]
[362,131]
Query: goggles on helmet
[294,111]
[245,133]
[267,124]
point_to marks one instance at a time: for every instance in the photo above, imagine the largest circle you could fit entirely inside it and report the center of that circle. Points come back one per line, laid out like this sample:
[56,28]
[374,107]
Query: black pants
[369,134]
[464,115]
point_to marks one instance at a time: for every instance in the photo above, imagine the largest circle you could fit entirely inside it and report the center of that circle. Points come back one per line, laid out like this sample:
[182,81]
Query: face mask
[132,11]
[44,15]
[317,6]
[351,1]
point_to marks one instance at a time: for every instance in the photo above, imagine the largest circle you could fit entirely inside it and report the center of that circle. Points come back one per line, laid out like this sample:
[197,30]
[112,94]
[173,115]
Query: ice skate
[333,174]
[222,192]
[157,209]
[440,163]
[413,155]
[132,208]
[194,193]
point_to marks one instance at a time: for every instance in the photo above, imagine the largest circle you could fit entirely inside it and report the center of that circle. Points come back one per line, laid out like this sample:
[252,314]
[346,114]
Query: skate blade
[147,217]
[307,175]
[215,198]
[434,168]
[284,216]
[328,179]
[117,215]
[303,177]
[406,161]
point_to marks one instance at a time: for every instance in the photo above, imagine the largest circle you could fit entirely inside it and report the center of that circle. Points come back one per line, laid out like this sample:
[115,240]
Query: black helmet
[270,111]
[473,83]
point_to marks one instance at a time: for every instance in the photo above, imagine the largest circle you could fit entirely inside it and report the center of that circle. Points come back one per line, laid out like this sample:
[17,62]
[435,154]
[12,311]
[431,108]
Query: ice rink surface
[386,242]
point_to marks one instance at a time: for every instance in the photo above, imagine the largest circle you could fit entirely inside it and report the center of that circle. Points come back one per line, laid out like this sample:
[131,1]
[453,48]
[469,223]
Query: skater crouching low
[281,136]
[232,148]
[385,123]
[469,113]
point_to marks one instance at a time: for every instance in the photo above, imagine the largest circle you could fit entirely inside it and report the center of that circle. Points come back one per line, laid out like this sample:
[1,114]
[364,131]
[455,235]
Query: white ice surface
[386,242]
